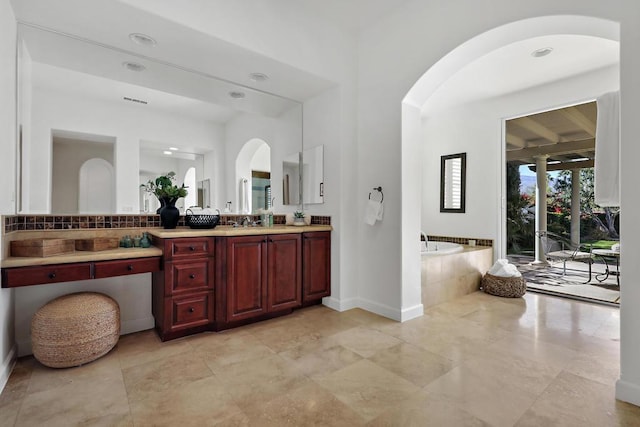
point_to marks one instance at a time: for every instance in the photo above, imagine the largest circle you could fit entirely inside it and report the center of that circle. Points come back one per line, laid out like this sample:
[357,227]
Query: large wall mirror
[98,120]
[303,177]
[453,172]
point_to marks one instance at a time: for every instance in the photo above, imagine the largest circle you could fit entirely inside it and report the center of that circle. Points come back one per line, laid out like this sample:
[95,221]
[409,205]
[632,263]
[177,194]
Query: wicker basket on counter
[508,287]
[201,221]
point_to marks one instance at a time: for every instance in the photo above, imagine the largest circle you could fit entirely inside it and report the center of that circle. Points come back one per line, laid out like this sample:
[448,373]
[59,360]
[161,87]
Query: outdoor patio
[549,279]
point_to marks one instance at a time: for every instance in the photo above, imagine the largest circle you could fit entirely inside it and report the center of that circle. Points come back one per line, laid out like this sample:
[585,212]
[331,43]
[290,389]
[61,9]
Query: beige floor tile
[364,317]
[364,341]
[367,388]
[309,405]
[88,403]
[413,363]
[158,377]
[144,347]
[492,400]
[320,357]
[9,412]
[201,402]
[44,378]
[281,336]
[260,380]
[18,383]
[218,353]
[426,410]
[575,401]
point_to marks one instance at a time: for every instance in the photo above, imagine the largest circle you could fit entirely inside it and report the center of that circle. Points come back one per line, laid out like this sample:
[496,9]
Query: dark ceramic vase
[169,214]
[162,203]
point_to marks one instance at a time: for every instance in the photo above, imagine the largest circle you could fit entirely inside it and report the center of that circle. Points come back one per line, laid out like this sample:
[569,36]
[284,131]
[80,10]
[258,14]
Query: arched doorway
[253,160]
[96,193]
[493,175]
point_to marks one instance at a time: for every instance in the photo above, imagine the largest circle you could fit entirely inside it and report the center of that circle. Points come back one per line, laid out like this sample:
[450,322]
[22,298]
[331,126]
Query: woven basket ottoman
[509,287]
[75,329]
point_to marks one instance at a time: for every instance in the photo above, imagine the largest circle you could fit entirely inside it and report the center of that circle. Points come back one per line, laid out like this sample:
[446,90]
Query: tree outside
[597,224]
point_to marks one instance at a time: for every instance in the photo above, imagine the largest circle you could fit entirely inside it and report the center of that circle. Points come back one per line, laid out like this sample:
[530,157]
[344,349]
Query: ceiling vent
[133,66]
[139,101]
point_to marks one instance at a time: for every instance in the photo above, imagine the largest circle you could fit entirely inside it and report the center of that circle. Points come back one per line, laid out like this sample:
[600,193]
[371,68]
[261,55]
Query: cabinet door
[284,271]
[317,265]
[246,277]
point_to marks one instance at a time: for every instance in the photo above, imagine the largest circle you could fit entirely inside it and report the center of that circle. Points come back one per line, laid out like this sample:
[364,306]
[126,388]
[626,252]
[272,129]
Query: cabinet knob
[130,267]
[192,248]
[52,275]
[191,309]
[192,276]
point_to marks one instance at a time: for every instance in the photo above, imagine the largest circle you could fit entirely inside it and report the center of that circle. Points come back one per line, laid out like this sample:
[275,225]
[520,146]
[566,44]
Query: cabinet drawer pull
[191,309]
[192,248]
[52,275]
[192,276]
[130,267]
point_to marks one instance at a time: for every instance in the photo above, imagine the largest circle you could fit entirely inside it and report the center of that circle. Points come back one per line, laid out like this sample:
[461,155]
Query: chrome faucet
[245,221]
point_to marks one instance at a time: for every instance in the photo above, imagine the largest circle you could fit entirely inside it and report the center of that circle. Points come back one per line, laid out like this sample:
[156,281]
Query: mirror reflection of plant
[164,187]
[298,214]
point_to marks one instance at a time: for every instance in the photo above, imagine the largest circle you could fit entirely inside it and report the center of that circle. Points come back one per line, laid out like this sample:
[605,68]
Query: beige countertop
[229,231]
[125,253]
[82,256]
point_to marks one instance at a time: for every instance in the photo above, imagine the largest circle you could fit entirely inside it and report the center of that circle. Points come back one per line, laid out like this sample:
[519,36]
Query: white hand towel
[371,212]
[607,161]
[380,211]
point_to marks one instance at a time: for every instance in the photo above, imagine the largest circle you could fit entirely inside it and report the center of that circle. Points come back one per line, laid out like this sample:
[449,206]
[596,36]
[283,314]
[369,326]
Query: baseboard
[380,309]
[7,366]
[340,305]
[411,312]
[628,392]
[136,325]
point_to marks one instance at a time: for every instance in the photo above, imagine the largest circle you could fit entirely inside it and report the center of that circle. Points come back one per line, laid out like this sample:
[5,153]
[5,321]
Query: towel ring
[379,190]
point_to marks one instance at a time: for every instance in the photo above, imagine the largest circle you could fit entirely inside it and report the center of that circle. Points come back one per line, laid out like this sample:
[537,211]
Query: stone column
[541,206]
[575,206]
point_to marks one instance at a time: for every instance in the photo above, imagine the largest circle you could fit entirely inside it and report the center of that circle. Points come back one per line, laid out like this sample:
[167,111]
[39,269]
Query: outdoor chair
[559,248]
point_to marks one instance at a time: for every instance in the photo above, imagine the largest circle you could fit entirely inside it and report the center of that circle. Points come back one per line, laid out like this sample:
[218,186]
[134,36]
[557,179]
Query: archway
[412,137]
[255,153]
[96,182]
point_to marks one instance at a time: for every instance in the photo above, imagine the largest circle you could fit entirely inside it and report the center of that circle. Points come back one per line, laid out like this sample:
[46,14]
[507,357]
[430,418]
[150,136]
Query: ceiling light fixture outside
[539,53]
[142,39]
[237,95]
[133,66]
[258,77]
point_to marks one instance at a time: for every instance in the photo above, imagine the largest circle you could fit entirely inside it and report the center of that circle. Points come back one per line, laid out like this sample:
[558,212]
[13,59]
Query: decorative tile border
[71,222]
[460,240]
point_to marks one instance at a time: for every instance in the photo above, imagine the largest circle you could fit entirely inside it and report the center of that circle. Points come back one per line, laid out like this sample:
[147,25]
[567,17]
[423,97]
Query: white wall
[127,123]
[7,154]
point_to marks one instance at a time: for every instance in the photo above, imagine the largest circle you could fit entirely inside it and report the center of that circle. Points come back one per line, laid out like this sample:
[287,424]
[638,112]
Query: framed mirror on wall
[453,173]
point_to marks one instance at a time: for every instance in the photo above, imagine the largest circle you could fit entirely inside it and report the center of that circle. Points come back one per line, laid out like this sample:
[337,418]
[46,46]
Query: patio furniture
[608,254]
[559,248]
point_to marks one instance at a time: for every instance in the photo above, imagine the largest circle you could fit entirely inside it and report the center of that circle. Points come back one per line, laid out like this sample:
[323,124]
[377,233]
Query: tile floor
[476,361]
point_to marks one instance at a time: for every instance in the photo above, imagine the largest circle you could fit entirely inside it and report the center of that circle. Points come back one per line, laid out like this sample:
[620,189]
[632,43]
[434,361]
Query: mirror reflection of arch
[253,176]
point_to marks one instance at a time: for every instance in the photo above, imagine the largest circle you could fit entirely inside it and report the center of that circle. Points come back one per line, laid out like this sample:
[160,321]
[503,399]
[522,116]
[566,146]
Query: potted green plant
[167,192]
[298,218]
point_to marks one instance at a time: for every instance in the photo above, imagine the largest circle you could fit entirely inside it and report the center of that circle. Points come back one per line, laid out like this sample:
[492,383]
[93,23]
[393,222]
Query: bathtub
[441,248]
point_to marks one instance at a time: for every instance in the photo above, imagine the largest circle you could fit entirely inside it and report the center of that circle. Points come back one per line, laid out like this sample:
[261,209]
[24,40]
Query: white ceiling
[512,68]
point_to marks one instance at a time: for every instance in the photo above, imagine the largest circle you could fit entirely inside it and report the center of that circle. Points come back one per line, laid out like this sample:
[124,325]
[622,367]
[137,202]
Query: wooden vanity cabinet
[316,273]
[262,276]
[183,292]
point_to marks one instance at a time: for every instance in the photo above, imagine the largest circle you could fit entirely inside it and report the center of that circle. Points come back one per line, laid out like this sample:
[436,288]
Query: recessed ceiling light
[133,66]
[142,39]
[258,77]
[538,53]
[173,148]
[168,153]
[237,95]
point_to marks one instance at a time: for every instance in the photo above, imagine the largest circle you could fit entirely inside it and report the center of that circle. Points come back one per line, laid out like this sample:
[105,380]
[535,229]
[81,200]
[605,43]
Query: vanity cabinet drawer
[41,275]
[190,311]
[189,276]
[125,267]
[188,247]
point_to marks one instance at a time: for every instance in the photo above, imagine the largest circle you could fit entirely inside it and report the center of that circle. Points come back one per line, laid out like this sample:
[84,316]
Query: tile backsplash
[460,240]
[71,222]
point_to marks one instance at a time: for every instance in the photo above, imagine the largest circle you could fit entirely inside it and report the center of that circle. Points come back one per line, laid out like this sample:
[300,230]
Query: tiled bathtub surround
[71,222]
[460,240]
[447,277]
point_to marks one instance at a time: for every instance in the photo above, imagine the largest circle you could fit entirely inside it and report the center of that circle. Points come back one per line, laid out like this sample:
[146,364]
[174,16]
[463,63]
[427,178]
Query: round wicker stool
[510,287]
[75,329]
